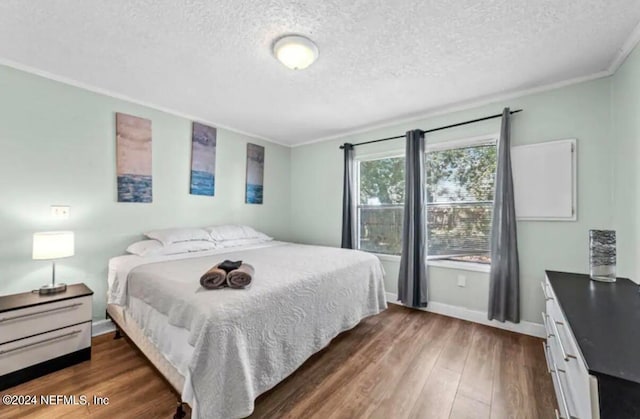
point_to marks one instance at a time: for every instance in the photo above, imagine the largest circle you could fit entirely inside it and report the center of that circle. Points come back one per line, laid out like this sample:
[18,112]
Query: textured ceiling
[380,60]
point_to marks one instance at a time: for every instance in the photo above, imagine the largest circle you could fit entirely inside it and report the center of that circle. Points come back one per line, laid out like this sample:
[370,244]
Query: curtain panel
[504,278]
[349,219]
[412,278]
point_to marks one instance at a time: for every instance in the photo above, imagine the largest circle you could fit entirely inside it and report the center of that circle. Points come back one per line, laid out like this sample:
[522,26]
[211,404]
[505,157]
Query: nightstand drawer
[17,324]
[23,353]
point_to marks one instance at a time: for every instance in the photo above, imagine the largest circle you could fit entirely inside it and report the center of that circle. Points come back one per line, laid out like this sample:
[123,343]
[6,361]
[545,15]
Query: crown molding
[623,52]
[621,55]
[115,95]
[461,106]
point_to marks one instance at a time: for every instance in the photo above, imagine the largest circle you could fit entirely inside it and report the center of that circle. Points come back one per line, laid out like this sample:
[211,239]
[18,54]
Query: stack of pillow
[174,241]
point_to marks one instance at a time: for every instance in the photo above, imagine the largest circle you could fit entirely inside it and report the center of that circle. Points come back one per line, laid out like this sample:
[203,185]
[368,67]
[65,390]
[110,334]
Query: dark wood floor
[400,364]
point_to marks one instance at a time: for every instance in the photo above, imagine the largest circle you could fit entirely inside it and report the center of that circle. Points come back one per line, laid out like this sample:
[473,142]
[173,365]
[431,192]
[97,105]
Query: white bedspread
[247,341]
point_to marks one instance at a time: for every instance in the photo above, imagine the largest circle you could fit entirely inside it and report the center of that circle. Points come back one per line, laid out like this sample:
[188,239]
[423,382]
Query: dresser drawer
[23,353]
[559,326]
[568,408]
[575,382]
[17,324]
[574,386]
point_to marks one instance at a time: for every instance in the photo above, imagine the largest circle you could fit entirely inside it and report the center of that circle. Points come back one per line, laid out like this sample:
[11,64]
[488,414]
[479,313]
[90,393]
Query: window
[381,204]
[460,187]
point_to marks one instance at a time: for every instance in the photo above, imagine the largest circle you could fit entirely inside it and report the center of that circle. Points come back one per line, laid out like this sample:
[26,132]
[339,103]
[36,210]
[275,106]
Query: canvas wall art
[255,174]
[133,150]
[203,160]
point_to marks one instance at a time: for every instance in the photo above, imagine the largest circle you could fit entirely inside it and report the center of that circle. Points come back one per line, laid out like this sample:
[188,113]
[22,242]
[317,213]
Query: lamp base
[52,289]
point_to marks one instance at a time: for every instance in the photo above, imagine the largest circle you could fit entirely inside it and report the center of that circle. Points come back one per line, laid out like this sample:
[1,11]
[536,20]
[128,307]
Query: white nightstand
[40,334]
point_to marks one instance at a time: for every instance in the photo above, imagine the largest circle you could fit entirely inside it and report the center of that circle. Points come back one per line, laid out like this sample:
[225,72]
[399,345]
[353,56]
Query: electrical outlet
[462,281]
[60,212]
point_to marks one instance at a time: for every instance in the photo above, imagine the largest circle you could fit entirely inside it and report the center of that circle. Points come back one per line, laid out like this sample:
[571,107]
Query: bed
[221,349]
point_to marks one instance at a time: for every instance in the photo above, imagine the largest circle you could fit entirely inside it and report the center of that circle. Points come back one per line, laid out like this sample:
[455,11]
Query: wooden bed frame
[127,326]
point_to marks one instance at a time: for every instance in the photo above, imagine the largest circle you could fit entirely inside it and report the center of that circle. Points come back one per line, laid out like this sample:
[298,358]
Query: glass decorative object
[602,255]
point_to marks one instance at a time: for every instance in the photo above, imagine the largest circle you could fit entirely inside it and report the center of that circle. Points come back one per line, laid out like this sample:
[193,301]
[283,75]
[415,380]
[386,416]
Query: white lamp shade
[53,245]
[295,52]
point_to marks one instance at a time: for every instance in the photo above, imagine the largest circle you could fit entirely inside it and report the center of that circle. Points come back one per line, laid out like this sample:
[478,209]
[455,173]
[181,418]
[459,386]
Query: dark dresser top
[605,320]
[29,299]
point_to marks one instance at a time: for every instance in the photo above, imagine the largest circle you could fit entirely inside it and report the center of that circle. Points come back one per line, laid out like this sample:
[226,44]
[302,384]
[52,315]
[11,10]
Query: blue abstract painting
[133,150]
[255,174]
[203,160]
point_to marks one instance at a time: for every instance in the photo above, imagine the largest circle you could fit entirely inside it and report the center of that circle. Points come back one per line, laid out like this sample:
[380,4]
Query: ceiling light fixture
[295,51]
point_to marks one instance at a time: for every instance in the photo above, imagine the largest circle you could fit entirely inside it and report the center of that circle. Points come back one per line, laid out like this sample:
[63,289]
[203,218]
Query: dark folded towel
[214,278]
[229,266]
[241,277]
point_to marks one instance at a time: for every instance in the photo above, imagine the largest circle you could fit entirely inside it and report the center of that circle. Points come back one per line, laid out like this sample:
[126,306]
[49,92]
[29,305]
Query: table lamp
[53,245]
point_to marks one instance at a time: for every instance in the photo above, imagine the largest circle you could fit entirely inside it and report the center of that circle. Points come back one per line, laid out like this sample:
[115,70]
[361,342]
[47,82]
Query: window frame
[435,261]
[390,154]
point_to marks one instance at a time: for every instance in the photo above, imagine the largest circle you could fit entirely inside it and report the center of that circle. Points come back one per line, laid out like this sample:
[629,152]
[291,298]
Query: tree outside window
[460,188]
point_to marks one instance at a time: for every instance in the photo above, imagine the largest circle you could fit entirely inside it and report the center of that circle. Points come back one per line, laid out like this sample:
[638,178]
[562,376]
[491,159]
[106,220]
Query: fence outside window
[455,229]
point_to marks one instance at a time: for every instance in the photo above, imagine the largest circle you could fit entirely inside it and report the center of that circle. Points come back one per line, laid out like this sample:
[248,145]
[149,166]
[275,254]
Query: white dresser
[42,334]
[592,363]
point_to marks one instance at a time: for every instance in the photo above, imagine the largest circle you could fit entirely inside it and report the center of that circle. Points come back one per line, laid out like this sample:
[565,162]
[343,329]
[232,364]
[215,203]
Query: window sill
[448,264]
[462,266]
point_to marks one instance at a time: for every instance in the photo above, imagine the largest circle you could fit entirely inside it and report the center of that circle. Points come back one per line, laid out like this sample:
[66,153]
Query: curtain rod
[498,115]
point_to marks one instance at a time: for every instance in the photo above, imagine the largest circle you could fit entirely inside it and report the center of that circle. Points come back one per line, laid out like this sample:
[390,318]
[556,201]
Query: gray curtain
[504,279]
[412,279]
[349,200]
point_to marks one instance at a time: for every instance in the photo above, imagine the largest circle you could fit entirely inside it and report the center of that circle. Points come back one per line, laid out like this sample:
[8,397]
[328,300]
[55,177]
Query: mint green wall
[625,111]
[580,111]
[57,146]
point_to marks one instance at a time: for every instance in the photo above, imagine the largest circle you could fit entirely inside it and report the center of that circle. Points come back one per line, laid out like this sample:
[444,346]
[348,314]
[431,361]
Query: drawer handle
[545,348]
[544,292]
[17,348]
[563,398]
[560,417]
[565,355]
[35,313]
[546,327]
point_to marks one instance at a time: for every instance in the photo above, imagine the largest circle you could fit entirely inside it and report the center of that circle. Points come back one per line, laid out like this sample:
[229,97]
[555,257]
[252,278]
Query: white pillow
[188,247]
[242,242]
[234,232]
[145,248]
[176,235]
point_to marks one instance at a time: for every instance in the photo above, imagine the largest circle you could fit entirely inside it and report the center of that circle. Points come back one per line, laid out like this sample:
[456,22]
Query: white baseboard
[100,327]
[476,316]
